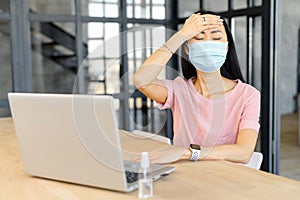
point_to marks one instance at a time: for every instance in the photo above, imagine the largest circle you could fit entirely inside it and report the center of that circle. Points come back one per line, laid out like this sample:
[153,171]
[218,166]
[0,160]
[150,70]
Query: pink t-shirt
[210,122]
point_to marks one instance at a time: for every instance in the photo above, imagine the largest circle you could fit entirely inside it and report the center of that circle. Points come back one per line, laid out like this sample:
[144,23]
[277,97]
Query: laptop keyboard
[131,176]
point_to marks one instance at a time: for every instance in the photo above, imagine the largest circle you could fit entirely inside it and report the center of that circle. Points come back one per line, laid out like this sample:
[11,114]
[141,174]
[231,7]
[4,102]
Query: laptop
[74,138]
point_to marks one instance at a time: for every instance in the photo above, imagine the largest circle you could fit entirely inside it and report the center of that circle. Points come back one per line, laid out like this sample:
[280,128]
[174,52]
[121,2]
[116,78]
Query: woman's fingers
[197,23]
[210,20]
[206,19]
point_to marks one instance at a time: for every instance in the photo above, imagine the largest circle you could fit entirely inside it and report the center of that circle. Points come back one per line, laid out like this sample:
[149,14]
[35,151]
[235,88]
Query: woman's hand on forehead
[198,23]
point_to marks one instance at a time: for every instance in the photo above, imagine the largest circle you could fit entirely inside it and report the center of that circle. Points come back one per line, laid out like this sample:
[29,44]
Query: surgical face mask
[208,56]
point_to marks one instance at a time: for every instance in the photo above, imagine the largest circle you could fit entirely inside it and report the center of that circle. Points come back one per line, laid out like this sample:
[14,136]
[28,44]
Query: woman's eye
[217,35]
[199,37]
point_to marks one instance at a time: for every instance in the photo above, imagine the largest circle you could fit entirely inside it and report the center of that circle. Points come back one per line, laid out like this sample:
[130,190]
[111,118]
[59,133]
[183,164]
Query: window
[146,9]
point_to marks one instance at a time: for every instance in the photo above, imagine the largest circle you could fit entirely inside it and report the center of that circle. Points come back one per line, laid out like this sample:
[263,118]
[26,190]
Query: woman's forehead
[220,29]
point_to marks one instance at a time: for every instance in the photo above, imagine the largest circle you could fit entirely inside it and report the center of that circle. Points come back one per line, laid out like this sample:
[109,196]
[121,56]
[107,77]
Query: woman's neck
[212,84]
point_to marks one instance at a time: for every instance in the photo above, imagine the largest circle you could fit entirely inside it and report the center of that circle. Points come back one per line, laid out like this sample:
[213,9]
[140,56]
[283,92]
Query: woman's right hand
[196,24]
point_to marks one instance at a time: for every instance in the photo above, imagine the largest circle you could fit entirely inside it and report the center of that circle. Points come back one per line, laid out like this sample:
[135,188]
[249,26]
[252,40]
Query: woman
[212,107]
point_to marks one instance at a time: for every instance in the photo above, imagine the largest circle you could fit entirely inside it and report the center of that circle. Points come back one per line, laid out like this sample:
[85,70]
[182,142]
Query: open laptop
[74,138]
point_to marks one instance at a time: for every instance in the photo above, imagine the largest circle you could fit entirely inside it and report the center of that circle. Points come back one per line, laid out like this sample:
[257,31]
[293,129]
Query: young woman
[215,114]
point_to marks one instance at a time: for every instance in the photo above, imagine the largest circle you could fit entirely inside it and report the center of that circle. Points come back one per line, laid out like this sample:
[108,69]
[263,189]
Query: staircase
[60,45]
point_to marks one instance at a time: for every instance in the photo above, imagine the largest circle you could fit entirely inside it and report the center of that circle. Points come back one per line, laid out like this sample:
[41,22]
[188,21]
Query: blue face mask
[208,56]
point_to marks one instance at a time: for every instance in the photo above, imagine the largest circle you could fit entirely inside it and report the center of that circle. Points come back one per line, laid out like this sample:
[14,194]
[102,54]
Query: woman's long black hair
[230,69]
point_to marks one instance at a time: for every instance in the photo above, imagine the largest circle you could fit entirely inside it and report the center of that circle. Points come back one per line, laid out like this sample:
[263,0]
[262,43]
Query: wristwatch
[196,149]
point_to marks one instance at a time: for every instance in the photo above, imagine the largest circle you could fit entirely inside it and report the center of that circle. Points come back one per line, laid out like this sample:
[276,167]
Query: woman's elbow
[137,80]
[245,156]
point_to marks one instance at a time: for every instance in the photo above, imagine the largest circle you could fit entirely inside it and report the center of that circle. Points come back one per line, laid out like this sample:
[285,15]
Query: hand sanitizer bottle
[145,179]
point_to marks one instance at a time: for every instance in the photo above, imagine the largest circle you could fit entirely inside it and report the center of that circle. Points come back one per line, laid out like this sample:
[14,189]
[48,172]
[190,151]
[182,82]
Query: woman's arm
[240,152]
[145,78]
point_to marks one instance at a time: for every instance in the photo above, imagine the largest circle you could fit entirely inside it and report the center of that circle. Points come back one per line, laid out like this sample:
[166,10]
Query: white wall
[289,54]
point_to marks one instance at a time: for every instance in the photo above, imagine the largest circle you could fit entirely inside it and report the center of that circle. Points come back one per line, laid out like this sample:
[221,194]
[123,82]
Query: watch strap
[195,154]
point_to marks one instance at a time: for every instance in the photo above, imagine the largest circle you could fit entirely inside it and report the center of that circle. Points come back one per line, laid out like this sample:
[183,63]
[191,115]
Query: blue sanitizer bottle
[145,178]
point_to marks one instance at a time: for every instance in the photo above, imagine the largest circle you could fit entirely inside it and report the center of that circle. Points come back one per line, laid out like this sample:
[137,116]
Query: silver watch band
[195,154]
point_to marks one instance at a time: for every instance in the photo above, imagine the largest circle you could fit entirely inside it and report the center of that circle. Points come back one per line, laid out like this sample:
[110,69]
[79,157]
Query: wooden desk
[191,180]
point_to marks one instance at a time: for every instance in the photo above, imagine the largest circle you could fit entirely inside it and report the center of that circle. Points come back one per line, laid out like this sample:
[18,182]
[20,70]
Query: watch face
[195,146]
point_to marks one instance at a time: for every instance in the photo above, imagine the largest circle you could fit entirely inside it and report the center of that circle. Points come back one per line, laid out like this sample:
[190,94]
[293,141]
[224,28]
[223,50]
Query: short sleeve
[251,112]
[170,98]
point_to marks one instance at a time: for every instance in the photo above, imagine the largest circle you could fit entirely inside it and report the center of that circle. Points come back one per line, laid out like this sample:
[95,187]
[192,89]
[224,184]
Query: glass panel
[95,30]
[96,69]
[158,2]
[141,43]
[179,26]
[4,6]
[100,8]
[58,7]
[258,2]
[257,40]
[147,12]
[111,10]
[103,76]
[53,57]
[216,5]
[92,9]
[186,9]
[111,1]
[111,30]
[103,57]
[158,12]
[5,69]
[240,34]
[139,11]
[94,45]
[239,4]
[129,12]
[111,35]
[113,75]
[93,36]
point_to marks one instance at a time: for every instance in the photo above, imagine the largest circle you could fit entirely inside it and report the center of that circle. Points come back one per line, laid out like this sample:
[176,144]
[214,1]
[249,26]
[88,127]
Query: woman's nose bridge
[207,35]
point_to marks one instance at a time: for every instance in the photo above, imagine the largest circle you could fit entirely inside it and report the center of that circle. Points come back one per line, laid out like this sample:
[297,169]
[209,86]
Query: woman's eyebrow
[215,31]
